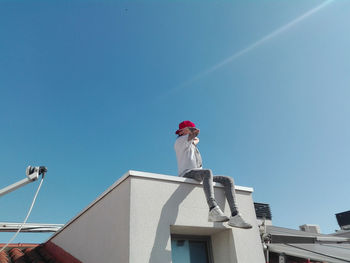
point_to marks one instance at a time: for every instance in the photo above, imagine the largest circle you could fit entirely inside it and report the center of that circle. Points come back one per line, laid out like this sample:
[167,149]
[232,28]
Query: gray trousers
[207,177]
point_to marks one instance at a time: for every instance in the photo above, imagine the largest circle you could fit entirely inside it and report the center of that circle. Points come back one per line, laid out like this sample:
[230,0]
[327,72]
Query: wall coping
[179,179]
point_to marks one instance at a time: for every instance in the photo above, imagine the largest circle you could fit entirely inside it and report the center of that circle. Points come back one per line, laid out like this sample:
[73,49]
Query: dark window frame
[206,239]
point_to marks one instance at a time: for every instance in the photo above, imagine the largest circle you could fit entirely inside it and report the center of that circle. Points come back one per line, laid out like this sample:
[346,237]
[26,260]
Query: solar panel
[262,211]
[343,218]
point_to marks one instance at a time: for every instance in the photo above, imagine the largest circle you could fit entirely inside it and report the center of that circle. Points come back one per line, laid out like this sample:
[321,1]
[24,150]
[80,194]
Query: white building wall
[223,244]
[100,233]
[248,244]
[134,219]
[158,204]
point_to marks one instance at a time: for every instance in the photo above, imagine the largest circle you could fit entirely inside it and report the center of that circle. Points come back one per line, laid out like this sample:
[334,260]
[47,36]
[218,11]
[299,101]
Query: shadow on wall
[168,217]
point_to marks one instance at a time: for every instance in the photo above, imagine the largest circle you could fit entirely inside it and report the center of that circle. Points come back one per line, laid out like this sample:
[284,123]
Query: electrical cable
[26,218]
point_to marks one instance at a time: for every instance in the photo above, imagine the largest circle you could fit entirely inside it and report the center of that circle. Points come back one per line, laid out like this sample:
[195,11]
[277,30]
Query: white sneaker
[238,221]
[216,215]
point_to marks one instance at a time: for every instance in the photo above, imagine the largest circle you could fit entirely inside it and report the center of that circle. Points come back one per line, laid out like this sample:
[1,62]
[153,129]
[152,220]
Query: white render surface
[101,233]
[154,207]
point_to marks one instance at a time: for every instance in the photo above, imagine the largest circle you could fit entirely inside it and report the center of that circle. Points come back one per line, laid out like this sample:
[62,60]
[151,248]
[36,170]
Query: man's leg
[215,213]
[229,188]
[236,219]
[206,176]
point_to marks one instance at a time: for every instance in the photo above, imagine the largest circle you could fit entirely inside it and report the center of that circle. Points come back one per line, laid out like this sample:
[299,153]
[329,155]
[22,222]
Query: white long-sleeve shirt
[187,154]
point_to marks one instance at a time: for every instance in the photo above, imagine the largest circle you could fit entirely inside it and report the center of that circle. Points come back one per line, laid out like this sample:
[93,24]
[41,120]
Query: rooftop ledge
[154,176]
[173,179]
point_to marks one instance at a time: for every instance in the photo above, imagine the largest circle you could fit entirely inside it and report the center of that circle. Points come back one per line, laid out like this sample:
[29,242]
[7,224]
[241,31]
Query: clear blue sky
[92,89]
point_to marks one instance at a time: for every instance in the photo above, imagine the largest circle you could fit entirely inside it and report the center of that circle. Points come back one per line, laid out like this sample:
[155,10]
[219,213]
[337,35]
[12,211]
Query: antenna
[32,174]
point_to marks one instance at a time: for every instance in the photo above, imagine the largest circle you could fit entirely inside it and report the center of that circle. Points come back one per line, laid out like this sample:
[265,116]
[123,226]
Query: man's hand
[195,140]
[193,133]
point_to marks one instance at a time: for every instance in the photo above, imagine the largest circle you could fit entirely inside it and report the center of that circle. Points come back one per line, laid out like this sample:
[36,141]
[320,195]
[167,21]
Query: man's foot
[216,215]
[238,221]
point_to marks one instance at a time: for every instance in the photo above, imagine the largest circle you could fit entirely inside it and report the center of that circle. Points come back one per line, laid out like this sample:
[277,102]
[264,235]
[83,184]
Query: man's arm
[193,133]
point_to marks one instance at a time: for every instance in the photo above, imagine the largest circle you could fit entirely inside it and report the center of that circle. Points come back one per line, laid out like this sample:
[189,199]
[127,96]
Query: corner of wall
[101,233]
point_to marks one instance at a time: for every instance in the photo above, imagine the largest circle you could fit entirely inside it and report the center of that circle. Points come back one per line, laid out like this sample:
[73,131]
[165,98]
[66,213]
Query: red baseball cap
[185,124]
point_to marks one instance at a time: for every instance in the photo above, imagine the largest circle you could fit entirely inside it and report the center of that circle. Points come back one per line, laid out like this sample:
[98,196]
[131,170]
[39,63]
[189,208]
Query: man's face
[184,131]
[187,130]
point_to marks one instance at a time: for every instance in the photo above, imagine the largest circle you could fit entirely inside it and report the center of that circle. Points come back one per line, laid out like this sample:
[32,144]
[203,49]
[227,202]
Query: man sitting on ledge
[190,166]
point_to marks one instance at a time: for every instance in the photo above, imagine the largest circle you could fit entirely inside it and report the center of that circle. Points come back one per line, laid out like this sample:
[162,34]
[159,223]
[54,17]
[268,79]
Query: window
[190,249]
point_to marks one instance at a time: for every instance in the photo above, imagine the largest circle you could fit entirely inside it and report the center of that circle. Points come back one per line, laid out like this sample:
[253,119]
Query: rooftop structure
[146,217]
[298,246]
[263,213]
[344,220]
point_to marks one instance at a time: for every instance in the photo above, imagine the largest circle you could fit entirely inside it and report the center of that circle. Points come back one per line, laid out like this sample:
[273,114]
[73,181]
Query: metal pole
[267,255]
[29,227]
[30,178]
[32,173]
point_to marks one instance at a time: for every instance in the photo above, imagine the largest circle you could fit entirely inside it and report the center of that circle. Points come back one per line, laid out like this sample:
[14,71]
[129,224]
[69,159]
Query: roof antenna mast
[32,174]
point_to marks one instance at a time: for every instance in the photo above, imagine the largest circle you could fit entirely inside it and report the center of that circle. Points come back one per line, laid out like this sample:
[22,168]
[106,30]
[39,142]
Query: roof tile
[17,256]
[3,257]
[29,253]
[33,255]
